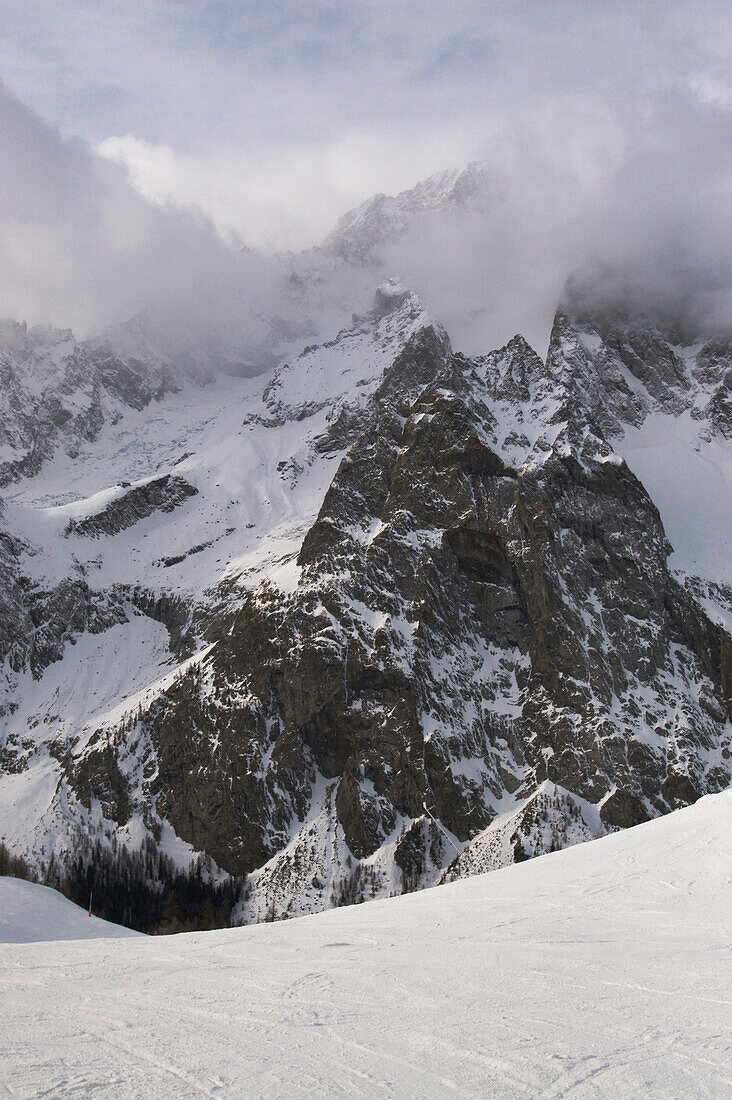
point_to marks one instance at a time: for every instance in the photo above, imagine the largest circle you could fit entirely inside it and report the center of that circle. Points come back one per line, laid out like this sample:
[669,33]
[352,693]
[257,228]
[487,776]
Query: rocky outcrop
[37,619]
[550,819]
[160,494]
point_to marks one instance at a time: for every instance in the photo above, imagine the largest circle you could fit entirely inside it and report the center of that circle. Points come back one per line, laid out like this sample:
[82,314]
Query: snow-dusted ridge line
[383,218]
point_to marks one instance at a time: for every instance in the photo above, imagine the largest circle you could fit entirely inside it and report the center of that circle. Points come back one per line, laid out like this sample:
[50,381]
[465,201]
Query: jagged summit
[630,368]
[350,367]
[389,296]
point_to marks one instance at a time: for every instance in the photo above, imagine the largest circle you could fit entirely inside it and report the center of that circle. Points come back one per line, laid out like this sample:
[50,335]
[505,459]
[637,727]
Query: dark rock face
[622,810]
[713,370]
[16,627]
[463,629]
[61,614]
[36,621]
[161,494]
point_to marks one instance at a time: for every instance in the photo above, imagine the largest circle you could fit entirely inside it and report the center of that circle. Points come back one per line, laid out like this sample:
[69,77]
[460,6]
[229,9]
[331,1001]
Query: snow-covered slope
[601,971]
[30,914]
[696,503]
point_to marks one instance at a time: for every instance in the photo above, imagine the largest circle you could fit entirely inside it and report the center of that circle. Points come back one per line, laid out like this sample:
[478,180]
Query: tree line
[143,889]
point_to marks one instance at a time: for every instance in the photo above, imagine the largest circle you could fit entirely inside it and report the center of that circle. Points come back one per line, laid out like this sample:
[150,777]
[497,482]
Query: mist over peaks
[633,202]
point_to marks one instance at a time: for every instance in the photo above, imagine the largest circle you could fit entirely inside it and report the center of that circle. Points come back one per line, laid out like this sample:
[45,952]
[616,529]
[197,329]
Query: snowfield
[31,914]
[601,970]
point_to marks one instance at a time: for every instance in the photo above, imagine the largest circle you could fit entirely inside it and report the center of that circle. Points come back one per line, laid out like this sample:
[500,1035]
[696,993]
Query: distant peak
[390,297]
[384,217]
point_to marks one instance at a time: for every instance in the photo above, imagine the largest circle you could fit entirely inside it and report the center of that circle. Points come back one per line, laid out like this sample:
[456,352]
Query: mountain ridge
[440,612]
[360,231]
[351,617]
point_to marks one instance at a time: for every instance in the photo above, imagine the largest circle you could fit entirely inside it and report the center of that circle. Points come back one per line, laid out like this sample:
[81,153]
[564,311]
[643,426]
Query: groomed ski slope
[602,970]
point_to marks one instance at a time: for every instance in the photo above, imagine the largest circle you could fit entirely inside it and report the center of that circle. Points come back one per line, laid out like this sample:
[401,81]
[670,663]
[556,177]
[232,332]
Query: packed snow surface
[31,913]
[602,970]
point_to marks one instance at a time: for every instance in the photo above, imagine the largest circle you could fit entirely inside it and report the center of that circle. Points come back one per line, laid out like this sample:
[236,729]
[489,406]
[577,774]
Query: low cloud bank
[81,247]
[638,194]
[636,207]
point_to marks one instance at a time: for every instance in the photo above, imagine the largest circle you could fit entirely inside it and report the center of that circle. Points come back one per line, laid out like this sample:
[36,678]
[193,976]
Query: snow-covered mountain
[359,233]
[381,615]
[57,392]
[600,971]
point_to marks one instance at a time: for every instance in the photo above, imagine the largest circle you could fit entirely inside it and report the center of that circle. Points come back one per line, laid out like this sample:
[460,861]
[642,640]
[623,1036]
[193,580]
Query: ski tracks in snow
[599,971]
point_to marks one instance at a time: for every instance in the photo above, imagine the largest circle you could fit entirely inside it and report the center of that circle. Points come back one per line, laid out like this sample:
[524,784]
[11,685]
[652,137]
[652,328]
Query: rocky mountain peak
[379,352]
[627,367]
[389,296]
[57,391]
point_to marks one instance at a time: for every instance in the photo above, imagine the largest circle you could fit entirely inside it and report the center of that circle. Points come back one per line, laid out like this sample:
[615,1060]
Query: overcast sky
[273,118]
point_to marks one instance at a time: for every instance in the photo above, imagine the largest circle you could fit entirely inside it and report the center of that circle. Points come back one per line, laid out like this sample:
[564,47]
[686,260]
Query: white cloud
[286,198]
[275,117]
[606,127]
[79,246]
